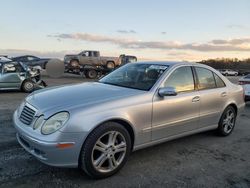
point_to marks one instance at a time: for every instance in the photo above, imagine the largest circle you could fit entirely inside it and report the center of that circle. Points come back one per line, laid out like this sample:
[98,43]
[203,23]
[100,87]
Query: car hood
[84,95]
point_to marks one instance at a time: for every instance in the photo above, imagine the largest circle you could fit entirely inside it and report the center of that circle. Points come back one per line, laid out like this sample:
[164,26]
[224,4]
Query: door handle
[196,99]
[223,94]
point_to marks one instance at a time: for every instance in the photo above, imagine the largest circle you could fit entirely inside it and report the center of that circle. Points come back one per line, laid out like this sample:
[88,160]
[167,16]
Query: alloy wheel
[228,121]
[109,151]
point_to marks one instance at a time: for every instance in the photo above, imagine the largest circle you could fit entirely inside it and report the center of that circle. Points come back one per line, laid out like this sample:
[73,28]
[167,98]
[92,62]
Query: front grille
[27,115]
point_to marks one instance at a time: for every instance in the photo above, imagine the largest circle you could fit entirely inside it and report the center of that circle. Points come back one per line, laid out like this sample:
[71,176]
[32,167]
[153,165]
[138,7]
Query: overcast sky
[154,30]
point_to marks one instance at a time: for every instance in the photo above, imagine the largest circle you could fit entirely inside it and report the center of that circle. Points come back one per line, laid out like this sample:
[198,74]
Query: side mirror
[167,91]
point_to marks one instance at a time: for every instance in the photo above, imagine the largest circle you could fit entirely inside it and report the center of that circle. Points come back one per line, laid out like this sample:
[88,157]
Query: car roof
[23,56]
[169,63]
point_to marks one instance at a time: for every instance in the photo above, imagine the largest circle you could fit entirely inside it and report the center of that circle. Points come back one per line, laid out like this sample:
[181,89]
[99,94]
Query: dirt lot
[202,160]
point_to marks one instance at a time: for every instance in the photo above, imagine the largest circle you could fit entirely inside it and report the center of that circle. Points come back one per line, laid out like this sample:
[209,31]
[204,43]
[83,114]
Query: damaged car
[17,76]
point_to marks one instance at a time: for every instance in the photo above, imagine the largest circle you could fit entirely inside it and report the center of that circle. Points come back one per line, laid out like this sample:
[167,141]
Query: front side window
[181,79]
[136,76]
[205,78]
[9,68]
[87,54]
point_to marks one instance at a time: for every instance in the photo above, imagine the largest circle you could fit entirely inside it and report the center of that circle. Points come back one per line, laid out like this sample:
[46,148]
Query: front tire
[227,121]
[74,63]
[28,86]
[105,150]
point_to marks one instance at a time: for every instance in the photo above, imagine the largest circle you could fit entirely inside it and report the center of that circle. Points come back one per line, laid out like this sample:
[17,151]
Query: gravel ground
[201,160]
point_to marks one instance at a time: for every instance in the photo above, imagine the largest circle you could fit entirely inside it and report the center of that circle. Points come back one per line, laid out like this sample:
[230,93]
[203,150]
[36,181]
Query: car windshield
[135,76]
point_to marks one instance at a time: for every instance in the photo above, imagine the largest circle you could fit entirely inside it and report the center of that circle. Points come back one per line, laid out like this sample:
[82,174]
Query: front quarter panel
[136,111]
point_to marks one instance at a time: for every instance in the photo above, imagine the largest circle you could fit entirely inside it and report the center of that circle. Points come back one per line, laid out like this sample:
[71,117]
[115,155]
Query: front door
[85,58]
[173,115]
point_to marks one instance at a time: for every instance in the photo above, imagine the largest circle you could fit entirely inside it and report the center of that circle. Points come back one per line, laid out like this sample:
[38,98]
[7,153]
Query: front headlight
[55,122]
[38,122]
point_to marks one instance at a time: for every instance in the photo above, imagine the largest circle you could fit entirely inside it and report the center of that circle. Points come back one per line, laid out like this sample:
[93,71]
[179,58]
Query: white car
[227,72]
[245,82]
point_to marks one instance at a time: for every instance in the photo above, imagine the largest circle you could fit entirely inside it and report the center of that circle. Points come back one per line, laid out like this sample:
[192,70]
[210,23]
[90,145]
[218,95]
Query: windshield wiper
[111,84]
[122,86]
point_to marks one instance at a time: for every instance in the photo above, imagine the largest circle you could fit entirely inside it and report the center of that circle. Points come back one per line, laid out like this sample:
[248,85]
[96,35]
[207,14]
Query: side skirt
[155,142]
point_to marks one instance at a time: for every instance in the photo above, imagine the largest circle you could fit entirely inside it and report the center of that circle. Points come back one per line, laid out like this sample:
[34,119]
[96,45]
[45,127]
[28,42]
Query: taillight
[243,93]
[244,82]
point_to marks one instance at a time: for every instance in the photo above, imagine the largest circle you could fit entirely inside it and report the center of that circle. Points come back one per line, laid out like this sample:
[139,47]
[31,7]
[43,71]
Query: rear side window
[181,79]
[205,78]
[219,81]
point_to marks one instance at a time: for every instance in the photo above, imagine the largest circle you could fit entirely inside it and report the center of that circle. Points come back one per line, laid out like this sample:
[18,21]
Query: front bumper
[45,147]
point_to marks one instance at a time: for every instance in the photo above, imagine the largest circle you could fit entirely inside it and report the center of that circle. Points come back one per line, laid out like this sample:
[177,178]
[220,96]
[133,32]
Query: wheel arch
[23,81]
[234,106]
[74,59]
[126,124]
[110,61]
[128,127]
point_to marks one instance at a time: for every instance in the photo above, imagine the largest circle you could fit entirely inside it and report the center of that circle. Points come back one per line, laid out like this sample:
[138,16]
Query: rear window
[205,78]
[219,81]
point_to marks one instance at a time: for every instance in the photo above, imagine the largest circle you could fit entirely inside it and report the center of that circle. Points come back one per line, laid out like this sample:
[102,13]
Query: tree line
[228,63]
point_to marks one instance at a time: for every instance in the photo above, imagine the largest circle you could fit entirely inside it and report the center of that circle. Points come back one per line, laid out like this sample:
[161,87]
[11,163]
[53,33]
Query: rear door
[213,96]
[95,58]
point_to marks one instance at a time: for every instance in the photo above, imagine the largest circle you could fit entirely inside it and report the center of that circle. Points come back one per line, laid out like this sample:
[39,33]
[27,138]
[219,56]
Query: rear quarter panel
[236,96]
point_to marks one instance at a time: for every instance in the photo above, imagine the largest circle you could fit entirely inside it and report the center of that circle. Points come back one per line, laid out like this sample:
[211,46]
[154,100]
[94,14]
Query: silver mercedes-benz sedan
[95,126]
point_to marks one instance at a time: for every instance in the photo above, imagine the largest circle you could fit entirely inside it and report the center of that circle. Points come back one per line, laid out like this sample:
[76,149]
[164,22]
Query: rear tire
[28,86]
[105,150]
[227,121]
[92,74]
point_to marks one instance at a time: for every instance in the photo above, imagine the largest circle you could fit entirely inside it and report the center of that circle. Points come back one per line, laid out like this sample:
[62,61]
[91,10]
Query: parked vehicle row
[92,65]
[88,57]
[133,107]
[31,60]
[245,82]
[228,72]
